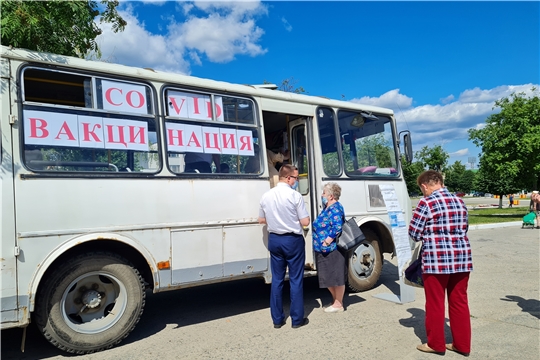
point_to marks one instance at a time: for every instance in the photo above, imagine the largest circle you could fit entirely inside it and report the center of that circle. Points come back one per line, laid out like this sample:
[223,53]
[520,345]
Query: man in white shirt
[284,212]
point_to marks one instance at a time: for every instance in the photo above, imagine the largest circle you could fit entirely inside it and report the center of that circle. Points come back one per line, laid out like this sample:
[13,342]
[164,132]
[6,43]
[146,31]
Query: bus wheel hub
[91,299]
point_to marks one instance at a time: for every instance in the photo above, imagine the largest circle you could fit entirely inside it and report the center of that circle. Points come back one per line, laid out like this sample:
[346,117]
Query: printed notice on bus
[398,225]
[401,242]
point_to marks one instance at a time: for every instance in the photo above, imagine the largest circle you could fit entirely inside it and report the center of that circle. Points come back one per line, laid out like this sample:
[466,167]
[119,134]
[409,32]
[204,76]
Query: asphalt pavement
[232,320]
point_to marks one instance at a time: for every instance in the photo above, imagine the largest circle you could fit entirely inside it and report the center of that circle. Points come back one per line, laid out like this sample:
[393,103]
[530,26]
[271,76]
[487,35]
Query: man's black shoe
[303,323]
[278,326]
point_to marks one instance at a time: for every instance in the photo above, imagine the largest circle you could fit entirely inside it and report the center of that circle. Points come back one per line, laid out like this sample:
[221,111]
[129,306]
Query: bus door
[300,157]
[8,250]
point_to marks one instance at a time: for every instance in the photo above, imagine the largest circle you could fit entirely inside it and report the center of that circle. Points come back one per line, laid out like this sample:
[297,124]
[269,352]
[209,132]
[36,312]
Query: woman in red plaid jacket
[440,221]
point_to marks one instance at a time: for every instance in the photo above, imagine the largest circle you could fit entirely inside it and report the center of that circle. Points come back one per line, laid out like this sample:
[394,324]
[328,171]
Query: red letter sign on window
[38,126]
[212,144]
[125,134]
[91,132]
[245,142]
[49,128]
[193,138]
[175,137]
[228,141]
[124,97]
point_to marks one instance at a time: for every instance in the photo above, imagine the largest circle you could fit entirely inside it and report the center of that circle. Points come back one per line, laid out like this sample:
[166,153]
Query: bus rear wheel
[365,263]
[90,303]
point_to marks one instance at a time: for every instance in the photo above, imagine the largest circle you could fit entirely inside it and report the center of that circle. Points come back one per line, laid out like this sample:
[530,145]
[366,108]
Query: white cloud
[391,99]
[448,99]
[136,46]
[219,37]
[235,7]
[478,95]
[224,30]
[446,123]
[286,24]
[462,152]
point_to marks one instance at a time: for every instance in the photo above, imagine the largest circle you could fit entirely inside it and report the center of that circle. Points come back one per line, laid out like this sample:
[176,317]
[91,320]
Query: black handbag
[350,236]
[413,272]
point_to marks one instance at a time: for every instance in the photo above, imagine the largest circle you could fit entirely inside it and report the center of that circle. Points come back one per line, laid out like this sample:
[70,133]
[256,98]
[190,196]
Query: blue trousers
[287,250]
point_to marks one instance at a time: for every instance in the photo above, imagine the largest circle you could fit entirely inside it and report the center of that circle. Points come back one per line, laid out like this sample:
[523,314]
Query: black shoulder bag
[350,236]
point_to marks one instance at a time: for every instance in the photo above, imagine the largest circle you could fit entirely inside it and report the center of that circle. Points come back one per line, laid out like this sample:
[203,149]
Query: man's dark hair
[287,170]
[430,177]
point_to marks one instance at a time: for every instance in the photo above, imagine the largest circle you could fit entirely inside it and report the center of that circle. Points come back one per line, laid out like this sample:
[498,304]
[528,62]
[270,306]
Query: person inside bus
[201,162]
[224,168]
[283,210]
[274,160]
[253,164]
[331,263]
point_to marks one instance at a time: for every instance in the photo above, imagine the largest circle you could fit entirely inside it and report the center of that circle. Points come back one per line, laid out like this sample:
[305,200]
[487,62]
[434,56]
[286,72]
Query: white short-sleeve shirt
[283,207]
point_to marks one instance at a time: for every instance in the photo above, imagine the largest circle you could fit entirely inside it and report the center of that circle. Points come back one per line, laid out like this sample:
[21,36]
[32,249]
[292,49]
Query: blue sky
[439,65]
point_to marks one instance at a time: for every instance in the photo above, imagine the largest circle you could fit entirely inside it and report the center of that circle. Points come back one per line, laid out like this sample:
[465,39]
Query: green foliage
[371,150]
[289,85]
[467,181]
[411,172]
[498,184]
[434,158]
[510,143]
[115,157]
[495,215]
[59,27]
[458,178]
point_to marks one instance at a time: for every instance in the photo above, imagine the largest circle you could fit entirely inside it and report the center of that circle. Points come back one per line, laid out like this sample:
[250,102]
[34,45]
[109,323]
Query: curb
[495,225]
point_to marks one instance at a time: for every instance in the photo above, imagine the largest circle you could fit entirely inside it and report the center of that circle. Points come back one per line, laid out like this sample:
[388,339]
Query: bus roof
[31,56]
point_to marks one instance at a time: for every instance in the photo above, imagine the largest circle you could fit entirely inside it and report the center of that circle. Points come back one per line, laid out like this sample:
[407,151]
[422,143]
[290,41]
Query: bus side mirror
[407,146]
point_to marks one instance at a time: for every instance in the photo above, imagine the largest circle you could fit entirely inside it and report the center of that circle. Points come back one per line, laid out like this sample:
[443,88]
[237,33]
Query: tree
[434,158]
[453,176]
[59,27]
[468,181]
[510,143]
[410,173]
[486,181]
[458,178]
[289,85]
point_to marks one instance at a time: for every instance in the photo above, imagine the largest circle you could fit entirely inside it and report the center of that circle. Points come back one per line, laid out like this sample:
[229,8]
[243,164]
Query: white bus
[113,183]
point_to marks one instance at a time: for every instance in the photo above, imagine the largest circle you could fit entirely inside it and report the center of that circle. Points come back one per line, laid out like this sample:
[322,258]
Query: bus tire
[364,263]
[90,303]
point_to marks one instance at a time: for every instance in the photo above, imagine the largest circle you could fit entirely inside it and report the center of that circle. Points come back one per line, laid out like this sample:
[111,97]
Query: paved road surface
[232,321]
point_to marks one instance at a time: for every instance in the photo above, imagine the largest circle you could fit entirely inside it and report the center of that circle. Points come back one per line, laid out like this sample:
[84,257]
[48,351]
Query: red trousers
[455,287]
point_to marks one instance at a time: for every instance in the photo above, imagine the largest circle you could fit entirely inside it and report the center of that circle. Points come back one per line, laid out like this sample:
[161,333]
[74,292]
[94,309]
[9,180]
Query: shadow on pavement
[531,306]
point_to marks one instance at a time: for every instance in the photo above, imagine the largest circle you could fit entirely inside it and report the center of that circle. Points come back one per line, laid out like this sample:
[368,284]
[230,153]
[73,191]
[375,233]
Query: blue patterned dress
[327,224]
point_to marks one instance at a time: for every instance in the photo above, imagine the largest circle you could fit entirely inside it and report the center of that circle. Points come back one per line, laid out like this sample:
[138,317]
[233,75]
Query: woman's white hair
[333,189]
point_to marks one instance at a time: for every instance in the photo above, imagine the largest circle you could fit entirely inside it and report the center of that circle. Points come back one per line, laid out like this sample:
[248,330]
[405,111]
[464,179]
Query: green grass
[495,215]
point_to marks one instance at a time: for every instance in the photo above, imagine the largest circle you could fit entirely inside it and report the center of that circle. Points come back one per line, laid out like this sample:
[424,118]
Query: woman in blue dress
[331,263]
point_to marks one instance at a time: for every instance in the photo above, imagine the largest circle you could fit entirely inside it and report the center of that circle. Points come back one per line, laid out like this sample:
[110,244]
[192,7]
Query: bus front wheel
[365,263]
[90,303]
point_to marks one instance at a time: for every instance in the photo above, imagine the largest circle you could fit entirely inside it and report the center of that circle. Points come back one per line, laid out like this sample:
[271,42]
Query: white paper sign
[193,105]
[398,225]
[59,129]
[123,97]
[209,140]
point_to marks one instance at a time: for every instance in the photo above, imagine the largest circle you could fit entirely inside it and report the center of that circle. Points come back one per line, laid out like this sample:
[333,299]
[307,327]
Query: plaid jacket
[441,222]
